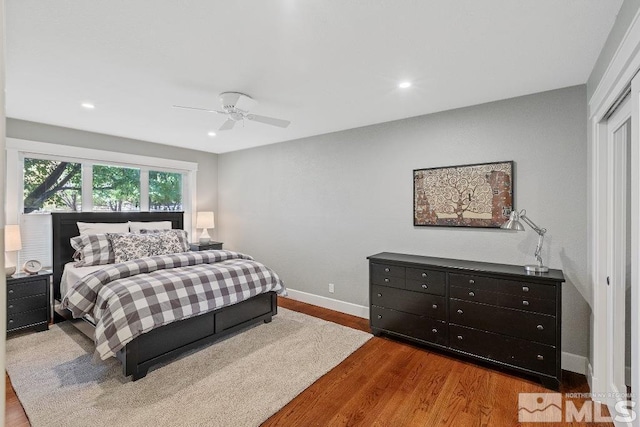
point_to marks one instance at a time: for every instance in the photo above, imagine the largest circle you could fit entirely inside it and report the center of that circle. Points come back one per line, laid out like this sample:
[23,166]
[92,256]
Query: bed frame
[165,342]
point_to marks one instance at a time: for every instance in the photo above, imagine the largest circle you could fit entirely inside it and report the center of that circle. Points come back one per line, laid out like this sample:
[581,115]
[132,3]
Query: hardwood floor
[391,383]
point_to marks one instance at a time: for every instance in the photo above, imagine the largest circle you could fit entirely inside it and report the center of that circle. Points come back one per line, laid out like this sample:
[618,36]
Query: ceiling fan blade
[227,125]
[199,109]
[268,120]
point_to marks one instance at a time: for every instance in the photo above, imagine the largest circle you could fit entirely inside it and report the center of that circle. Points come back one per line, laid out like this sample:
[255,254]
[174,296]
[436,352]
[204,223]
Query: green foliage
[52,185]
[165,191]
[116,188]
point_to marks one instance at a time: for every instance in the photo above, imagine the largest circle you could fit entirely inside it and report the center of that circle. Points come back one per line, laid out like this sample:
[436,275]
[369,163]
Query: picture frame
[477,195]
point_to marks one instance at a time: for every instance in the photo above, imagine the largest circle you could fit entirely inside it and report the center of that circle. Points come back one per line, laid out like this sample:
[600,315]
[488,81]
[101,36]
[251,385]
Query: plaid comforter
[134,297]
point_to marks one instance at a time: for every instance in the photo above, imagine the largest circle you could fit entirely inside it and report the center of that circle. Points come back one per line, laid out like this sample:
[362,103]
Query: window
[47,177]
[51,185]
[116,188]
[165,191]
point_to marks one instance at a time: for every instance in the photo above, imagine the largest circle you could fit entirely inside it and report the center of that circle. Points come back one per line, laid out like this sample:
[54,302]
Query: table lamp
[204,220]
[12,243]
[513,223]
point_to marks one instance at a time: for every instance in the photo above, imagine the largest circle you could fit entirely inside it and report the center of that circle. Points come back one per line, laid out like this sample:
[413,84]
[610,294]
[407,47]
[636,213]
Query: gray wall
[207,176]
[314,208]
[627,13]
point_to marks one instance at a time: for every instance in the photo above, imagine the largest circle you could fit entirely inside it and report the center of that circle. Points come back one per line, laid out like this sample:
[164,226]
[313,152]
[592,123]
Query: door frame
[620,72]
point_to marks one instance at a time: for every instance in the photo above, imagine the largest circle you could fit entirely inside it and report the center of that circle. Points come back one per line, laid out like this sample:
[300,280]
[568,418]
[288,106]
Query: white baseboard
[330,303]
[574,363]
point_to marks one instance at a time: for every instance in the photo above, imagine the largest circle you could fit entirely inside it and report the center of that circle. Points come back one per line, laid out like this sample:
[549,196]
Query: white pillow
[135,227]
[102,227]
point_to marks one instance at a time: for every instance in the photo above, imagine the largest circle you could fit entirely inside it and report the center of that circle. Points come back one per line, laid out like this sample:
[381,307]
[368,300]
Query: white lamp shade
[12,239]
[205,220]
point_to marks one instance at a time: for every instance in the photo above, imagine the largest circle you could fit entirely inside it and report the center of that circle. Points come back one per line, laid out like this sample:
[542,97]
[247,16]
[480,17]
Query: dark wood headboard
[65,227]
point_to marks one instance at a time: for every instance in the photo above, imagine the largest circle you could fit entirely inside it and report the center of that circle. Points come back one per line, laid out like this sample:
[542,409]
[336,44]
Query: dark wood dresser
[496,313]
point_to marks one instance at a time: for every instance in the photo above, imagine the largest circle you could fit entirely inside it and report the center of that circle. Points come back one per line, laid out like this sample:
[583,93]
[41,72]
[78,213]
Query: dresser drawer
[413,326]
[396,282]
[516,323]
[409,302]
[426,287]
[526,289]
[26,304]
[474,294]
[19,320]
[386,270]
[27,288]
[471,281]
[514,351]
[424,275]
[537,305]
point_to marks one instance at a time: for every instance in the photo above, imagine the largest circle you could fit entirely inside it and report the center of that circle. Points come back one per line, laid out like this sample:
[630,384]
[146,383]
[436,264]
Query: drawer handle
[434,306]
[434,330]
[424,275]
[386,279]
[460,337]
[525,289]
[10,320]
[11,306]
[471,281]
[540,357]
[379,316]
[424,286]
[472,294]
[525,302]
[10,291]
[379,295]
[387,269]
[540,327]
[460,311]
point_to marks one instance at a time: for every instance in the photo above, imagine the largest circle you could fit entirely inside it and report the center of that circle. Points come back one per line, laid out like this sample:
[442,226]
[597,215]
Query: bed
[170,340]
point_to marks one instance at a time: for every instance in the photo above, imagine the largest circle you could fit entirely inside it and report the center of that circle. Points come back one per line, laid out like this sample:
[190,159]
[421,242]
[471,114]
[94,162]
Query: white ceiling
[326,65]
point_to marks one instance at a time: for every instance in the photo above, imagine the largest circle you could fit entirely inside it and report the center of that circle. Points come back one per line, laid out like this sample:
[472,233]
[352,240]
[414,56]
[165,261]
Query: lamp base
[536,268]
[10,270]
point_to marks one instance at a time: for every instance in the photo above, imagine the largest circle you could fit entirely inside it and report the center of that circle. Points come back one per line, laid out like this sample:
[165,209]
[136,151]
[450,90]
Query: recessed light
[404,85]
[88,105]
[211,134]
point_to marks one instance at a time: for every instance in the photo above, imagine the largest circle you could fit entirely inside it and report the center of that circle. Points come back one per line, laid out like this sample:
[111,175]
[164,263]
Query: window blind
[36,232]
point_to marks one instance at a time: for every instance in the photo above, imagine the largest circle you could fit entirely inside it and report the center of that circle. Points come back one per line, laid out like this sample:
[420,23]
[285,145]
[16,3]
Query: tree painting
[464,196]
[51,185]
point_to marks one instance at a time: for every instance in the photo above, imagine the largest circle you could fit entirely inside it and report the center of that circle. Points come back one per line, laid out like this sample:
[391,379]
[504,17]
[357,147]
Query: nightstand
[205,246]
[28,302]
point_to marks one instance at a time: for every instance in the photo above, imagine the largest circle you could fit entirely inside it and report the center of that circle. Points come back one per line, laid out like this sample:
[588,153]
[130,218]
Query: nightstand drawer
[205,246]
[19,320]
[26,304]
[27,288]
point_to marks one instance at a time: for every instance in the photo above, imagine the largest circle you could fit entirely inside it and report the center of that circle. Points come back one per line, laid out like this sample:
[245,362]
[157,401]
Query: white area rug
[240,381]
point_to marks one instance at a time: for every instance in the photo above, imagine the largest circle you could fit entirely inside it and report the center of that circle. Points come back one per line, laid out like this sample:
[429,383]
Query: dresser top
[468,266]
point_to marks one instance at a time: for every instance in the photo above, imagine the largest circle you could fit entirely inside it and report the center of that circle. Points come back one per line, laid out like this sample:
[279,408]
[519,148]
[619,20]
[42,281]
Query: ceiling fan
[236,107]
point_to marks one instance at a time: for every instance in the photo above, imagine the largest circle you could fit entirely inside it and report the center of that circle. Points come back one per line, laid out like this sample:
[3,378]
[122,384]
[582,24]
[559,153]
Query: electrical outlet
[331,288]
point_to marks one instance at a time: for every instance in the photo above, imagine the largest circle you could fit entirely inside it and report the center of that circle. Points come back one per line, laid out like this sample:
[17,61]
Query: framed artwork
[478,195]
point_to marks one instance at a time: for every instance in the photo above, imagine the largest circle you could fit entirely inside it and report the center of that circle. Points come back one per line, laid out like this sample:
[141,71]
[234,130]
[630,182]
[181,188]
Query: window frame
[18,149]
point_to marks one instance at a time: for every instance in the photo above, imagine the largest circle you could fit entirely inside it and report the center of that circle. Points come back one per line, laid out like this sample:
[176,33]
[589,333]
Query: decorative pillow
[136,227]
[129,246]
[180,234]
[92,249]
[102,227]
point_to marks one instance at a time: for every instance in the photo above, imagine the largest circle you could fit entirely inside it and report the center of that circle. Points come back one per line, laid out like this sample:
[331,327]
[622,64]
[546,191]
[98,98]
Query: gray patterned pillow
[92,249]
[129,246]
[180,234]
